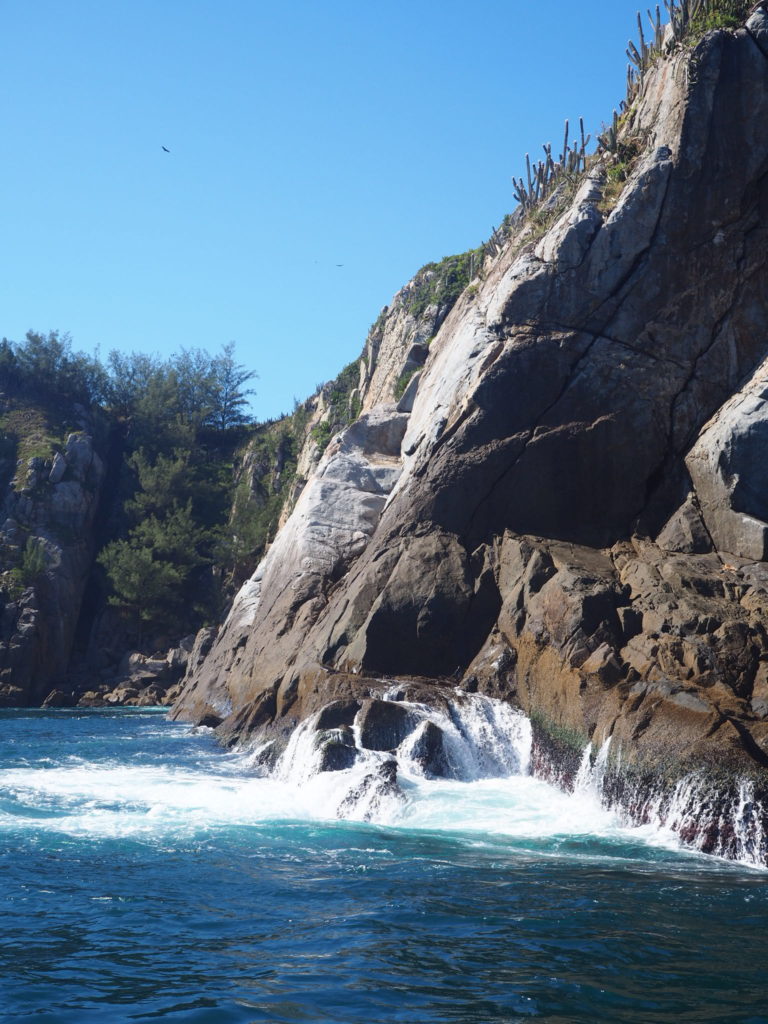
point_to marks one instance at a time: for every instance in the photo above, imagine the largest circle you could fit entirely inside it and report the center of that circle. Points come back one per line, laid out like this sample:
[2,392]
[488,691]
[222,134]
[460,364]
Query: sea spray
[483,738]
[466,738]
[720,817]
[149,874]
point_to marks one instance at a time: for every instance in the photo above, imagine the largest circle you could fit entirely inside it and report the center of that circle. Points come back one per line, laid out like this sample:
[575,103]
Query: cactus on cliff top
[686,19]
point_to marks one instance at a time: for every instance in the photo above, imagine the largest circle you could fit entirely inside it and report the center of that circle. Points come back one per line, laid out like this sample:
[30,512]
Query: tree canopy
[191,389]
[179,421]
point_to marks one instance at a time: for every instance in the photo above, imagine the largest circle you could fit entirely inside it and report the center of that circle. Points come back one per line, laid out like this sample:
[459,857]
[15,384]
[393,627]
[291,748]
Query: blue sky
[379,136]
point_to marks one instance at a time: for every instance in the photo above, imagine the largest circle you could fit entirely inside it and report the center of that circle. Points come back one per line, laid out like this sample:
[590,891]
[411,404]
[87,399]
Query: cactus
[684,17]
[609,140]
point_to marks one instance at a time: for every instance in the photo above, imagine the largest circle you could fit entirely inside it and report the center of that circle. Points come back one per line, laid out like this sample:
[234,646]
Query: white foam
[130,800]
[496,797]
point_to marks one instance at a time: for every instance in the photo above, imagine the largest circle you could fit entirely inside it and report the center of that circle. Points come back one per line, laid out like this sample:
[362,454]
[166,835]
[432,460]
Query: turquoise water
[146,876]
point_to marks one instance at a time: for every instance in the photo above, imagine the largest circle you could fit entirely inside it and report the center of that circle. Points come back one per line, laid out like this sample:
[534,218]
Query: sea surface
[147,875]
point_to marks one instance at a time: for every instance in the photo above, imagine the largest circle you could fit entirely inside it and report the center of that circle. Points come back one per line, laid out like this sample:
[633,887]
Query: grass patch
[403,381]
[618,172]
[28,433]
[722,14]
[321,434]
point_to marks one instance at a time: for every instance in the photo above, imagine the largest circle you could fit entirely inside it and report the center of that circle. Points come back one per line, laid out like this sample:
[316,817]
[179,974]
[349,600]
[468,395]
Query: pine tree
[227,395]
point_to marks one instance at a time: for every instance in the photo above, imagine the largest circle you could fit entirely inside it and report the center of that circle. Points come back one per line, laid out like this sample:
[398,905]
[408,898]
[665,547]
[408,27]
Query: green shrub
[403,381]
[321,434]
[440,284]
[33,561]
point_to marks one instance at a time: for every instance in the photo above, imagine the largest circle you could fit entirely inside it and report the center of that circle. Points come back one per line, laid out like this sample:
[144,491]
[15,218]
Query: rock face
[47,536]
[570,509]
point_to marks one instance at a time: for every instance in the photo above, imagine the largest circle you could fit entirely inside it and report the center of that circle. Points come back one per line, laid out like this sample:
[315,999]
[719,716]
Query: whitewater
[148,874]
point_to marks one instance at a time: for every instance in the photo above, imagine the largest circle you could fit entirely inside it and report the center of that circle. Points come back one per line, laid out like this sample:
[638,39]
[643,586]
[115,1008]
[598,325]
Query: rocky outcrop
[141,680]
[569,510]
[47,540]
[397,345]
[335,516]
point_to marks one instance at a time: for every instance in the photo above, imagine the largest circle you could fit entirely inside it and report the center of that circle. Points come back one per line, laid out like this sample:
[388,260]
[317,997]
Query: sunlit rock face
[568,508]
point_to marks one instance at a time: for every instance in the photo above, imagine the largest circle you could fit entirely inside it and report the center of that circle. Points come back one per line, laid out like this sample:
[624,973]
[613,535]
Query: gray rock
[337,750]
[55,513]
[685,530]
[729,471]
[508,505]
[383,725]
[337,713]
[429,752]
[409,395]
[376,788]
[757,26]
[79,455]
[58,469]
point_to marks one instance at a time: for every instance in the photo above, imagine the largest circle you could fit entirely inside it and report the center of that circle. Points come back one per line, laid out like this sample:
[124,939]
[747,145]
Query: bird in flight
[166,150]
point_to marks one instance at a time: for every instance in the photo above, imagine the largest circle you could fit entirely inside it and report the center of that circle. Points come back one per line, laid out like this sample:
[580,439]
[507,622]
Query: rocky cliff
[567,507]
[49,503]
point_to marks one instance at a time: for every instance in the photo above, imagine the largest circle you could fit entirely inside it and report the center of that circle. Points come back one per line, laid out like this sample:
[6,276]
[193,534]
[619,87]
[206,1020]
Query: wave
[193,789]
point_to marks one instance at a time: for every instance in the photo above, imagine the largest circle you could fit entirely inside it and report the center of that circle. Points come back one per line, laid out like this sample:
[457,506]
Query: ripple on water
[154,878]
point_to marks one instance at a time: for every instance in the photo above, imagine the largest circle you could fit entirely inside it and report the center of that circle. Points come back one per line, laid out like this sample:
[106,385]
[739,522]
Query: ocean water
[147,875]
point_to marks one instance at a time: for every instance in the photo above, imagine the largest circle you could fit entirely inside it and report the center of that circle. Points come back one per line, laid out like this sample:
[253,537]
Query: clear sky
[376,135]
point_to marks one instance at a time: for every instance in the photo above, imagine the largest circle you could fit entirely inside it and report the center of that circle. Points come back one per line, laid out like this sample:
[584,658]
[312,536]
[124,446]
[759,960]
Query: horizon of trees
[180,421]
[202,389]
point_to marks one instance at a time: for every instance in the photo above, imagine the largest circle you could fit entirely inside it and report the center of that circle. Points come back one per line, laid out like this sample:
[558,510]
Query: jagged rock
[384,724]
[177,660]
[333,519]
[151,696]
[685,530]
[82,460]
[375,790]
[265,758]
[37,469]
[409,395]
[730,474]
[54,514]
[337,713]
[12,532]
[59,699]
[586,394]
[757,26]
[429,752]
[91,699]
[604,665]
[337,749]
[58,468]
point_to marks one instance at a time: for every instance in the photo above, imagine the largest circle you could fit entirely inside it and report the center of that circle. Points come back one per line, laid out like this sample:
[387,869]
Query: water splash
[483,739]
[173,780]
[725,822]
[722,820]
[470,737]
[583,780]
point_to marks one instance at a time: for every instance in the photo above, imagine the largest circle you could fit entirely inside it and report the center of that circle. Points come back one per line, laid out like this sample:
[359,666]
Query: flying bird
[166,150]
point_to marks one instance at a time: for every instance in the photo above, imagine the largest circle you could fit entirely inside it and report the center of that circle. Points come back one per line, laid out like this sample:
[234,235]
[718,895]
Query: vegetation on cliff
[618,149]
[201,490]
[177,425]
